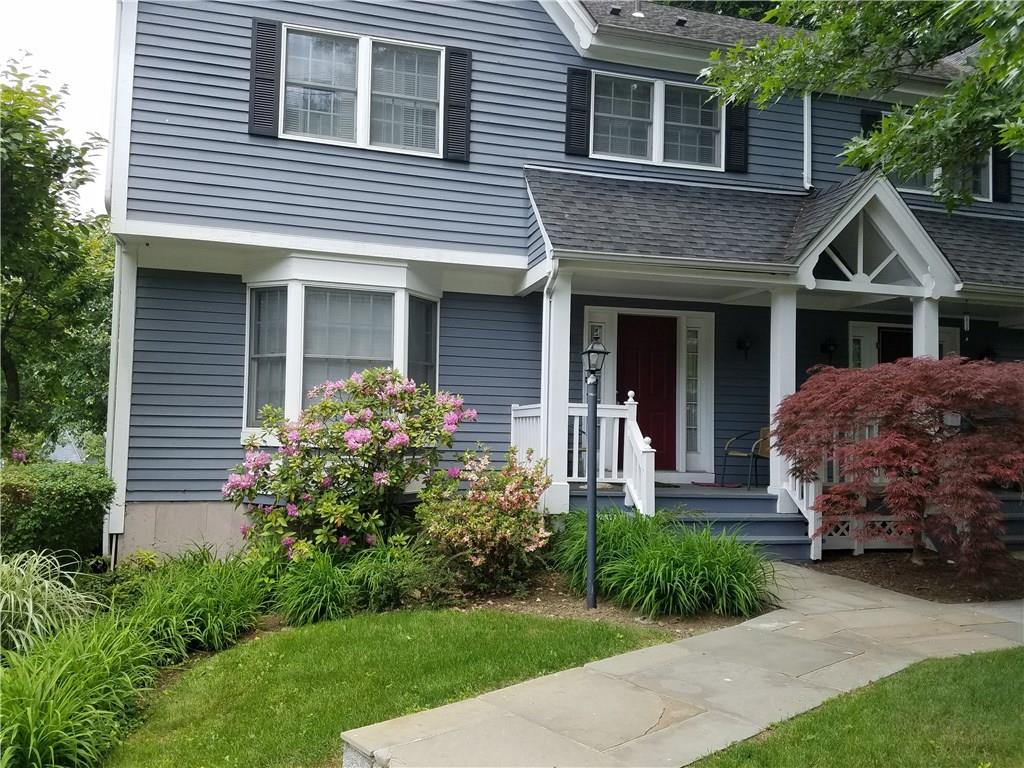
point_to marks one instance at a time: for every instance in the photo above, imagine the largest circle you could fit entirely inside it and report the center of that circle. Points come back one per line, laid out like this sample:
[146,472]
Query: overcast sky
[74,40]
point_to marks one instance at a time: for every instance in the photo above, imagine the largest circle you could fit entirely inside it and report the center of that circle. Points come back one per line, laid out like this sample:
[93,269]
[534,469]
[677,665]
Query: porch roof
[982,249]
[600,214]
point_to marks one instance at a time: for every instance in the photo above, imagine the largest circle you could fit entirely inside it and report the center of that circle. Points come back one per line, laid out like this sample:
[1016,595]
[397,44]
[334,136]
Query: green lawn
[942,713]
[284,698]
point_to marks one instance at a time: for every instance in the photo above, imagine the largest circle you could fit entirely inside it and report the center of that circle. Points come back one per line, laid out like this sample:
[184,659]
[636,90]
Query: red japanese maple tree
[926,442]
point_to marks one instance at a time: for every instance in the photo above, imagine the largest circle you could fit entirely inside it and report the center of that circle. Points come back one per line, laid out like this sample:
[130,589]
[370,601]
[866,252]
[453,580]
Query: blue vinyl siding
[193,161]
[490,352]
[187,380]
[835,120]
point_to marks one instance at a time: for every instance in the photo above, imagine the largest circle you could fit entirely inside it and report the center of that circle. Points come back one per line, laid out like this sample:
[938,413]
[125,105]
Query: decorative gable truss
[876,245]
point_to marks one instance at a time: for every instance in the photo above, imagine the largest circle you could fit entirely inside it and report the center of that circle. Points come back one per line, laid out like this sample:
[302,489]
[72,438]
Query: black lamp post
[593,361]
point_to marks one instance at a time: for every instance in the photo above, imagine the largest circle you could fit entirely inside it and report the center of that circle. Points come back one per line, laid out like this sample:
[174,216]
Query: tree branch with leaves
[853,48]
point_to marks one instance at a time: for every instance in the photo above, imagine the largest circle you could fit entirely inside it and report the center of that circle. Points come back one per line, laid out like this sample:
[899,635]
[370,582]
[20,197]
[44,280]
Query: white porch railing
[624,455]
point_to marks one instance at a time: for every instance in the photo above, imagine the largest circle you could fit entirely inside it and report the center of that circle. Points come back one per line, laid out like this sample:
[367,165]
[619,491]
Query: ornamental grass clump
[657,567]
[492,529]
[314,589]
[337,481]
[68,701]
[37,599]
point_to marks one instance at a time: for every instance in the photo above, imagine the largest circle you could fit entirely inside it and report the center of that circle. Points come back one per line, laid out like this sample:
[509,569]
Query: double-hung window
[656,121]
[362,91]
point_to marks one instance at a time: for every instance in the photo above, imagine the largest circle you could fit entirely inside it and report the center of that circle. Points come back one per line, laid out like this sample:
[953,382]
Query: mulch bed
[936,579]
[549,595]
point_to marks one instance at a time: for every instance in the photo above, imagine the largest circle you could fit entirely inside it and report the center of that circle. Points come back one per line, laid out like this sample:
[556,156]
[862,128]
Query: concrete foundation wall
[171,527]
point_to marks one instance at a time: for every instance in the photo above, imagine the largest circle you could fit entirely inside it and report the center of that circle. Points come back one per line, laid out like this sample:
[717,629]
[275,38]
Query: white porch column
[555,389]
[782,370]
[926,327]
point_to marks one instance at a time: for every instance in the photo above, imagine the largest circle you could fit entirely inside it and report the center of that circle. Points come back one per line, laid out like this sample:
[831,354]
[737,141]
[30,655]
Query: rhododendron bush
[337,478]
[487,520]
[928,442]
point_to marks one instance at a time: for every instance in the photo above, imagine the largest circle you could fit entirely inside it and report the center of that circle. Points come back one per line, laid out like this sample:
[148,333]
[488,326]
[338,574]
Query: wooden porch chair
[759,449]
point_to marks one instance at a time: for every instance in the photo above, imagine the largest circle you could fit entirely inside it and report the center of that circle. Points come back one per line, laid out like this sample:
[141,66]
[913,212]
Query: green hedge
[56,506]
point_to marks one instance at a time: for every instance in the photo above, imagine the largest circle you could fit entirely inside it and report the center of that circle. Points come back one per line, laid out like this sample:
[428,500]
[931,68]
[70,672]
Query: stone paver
[672,704]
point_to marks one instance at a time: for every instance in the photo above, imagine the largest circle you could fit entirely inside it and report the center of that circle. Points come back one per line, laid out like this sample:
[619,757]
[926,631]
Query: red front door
[646,364]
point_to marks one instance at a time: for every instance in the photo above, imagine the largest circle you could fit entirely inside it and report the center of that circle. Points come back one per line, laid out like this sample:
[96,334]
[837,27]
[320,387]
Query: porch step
[749,514]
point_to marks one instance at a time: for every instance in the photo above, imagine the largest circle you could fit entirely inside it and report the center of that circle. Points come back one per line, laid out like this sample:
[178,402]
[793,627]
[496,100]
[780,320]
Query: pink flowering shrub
[336,480]
[492,529]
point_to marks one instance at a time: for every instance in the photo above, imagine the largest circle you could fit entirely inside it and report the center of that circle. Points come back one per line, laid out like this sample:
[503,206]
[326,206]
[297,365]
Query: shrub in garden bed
[491,531]
[49,505]
[321,586]
[337,480]
[654,566]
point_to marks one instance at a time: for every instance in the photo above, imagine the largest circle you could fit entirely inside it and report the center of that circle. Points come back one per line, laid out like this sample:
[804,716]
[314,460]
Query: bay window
[303,334]
[656,121]
[362,91]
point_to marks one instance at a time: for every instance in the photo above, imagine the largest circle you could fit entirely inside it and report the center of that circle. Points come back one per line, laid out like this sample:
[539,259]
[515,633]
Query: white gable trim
[887,210]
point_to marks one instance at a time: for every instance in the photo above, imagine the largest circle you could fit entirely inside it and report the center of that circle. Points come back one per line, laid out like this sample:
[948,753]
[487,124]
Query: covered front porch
[702,354]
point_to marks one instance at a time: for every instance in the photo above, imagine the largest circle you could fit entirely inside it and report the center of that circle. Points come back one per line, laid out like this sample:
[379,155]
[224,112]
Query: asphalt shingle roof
[590,213]
[660,19]
[624,216]
[981,249]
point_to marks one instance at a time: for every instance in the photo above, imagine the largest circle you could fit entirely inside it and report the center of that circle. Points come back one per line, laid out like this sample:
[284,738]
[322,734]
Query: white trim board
[312,245]
[119,387]
[116,191]
[699,462]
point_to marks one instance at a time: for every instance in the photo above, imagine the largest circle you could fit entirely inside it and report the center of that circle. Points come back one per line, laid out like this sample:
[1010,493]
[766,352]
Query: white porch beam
[555,388]
[926,328]
[782,370]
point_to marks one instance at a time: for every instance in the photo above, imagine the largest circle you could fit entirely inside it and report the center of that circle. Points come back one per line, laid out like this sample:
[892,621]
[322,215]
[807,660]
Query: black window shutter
[1002,187]
[736,137]
[577,111]
[869,120]
[264,68]
[457,83]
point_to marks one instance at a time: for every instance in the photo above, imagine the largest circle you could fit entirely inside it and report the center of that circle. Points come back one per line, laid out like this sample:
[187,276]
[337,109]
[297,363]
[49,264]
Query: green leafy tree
[871,47]
[56,270]
[742,9]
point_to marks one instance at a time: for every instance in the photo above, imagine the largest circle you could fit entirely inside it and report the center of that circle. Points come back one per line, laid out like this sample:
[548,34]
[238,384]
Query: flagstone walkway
[671,704]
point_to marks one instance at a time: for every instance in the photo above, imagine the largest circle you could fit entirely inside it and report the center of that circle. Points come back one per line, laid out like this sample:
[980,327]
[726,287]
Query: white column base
[556,498]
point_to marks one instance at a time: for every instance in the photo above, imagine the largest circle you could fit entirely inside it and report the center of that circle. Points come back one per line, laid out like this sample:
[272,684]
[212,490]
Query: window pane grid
[423,341]
[622,117]
[692,390]
[344,332]
[268,326]
[320,85]
[405,102]
[692,126]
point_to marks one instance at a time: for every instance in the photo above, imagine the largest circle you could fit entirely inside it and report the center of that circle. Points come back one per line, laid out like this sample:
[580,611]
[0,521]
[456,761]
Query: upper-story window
[980,181]
[656,121]
[362,91]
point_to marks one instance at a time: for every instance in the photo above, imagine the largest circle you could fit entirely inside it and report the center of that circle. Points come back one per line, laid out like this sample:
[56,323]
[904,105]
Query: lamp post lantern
[593,360]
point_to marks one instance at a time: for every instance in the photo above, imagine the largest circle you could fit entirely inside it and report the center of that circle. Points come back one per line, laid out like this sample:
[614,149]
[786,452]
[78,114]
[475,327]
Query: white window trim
[699,465]
[364,72]
[657,124]
[938,171]
[294,351]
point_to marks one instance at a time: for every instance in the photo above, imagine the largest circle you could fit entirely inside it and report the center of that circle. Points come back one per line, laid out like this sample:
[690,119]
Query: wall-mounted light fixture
[637,13]
[744,344]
